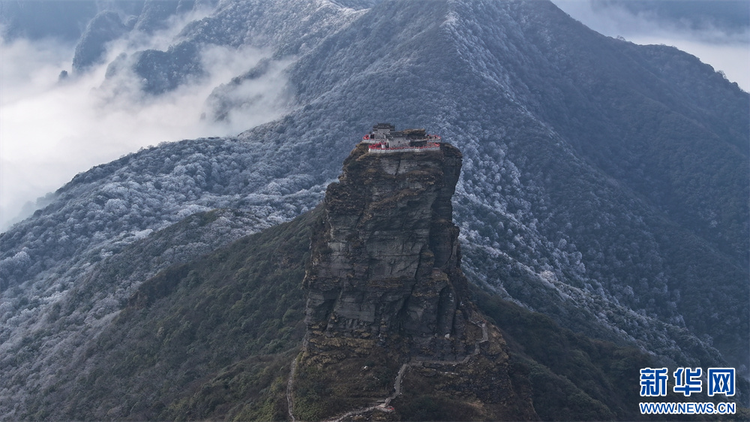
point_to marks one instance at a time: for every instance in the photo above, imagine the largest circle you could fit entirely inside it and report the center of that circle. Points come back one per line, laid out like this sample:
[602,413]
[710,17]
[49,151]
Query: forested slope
[604,183]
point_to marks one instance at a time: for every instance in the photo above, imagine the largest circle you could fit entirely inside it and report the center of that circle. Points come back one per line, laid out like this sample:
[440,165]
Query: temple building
[384,137]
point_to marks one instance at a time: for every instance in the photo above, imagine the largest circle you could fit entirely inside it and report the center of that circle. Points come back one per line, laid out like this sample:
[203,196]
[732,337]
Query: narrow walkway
[384,405]
[290,383]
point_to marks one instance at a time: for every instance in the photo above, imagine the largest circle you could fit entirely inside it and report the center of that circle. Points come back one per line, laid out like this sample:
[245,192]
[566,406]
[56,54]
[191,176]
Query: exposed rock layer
[387,302]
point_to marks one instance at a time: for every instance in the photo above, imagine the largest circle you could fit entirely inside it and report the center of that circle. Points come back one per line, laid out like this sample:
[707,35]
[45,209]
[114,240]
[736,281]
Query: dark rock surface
[604,184]
[387,302]
[386,262]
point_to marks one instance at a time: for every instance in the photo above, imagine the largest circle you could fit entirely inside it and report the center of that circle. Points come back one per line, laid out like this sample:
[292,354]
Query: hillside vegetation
[604,184]
[213,339]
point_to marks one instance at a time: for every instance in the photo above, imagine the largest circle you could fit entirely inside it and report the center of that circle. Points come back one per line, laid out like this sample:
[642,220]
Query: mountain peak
[387,303]
[386,260]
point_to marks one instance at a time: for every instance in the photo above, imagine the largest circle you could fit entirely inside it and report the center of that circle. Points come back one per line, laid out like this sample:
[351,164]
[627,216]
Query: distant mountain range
[604,184]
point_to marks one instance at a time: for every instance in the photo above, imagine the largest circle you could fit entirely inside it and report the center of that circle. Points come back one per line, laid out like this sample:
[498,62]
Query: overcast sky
[50,131]
[716,31]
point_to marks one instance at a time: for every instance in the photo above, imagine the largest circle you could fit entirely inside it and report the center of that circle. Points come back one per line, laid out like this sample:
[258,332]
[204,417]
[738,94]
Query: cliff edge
[389,323]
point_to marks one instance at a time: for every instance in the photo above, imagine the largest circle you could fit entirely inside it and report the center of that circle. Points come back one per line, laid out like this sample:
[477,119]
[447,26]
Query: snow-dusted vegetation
[601,185]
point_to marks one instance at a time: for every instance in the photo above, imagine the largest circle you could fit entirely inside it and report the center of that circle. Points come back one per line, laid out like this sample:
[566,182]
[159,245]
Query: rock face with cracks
[387,303]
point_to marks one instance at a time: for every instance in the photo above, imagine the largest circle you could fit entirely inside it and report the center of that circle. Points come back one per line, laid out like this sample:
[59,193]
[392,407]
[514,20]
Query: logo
[653,382]
[720,381]
[687,381]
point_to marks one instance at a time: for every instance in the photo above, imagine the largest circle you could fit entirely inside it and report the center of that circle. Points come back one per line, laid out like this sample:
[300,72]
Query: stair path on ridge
[383,406]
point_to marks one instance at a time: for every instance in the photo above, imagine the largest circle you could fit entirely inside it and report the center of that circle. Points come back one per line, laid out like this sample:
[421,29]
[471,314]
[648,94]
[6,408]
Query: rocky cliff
[602,186]
[390,335]
[387,303]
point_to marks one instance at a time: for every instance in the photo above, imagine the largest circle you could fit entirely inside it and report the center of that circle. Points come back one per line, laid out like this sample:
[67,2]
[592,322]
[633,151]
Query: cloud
[725,16]
[50,130]
[714,38]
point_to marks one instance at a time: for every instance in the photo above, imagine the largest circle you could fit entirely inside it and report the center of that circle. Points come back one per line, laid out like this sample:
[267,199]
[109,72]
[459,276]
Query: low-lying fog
[51,130]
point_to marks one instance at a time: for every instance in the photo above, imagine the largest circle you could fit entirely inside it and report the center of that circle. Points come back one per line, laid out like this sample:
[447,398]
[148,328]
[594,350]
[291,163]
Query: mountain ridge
[217,381]
[628,235]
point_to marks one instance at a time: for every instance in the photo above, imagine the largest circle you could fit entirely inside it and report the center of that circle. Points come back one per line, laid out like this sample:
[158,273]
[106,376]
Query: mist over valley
[183,163]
